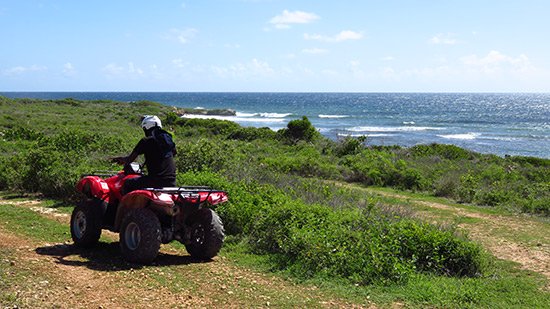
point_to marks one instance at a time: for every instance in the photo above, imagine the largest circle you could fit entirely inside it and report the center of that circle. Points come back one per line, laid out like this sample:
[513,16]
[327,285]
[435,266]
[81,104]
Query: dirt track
[58,275]
[62,276]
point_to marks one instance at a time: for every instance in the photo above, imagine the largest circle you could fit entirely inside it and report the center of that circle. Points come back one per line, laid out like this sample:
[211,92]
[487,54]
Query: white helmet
[149,122]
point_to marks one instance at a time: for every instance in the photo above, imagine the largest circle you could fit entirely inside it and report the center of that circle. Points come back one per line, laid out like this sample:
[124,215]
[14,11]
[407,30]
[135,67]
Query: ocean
[497,123]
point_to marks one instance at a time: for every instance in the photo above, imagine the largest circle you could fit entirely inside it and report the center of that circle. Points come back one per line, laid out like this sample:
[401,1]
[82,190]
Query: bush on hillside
[250,134]
[306,162]
[350,145]
[300,130]
[203,154]
[352,243]
[449,152]
[379,168]
[193,127]
[313,240]
[22,133]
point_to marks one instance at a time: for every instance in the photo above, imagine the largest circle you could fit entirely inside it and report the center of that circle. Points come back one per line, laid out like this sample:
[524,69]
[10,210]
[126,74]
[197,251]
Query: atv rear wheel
[207,234]
[140,236]
[86,222]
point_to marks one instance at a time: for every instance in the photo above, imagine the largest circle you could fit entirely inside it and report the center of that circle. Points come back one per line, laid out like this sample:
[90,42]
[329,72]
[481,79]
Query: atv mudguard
[93,187]
[160,203]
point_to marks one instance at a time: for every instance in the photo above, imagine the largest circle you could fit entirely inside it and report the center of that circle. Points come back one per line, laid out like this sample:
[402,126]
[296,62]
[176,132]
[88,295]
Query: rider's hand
[119,160]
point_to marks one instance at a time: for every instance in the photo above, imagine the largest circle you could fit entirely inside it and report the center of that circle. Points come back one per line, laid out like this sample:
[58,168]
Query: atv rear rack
[187,189]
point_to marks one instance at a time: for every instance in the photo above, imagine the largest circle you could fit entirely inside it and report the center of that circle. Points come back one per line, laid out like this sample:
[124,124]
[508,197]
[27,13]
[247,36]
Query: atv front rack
[188,189]
[197,194]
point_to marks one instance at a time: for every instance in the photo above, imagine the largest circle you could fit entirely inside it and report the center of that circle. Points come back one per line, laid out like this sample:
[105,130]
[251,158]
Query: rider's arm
[125,160]
[132,157]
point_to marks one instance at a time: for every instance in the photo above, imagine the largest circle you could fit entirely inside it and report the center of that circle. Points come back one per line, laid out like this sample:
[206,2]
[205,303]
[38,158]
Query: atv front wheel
[207,234]
[86,222]
[140,236]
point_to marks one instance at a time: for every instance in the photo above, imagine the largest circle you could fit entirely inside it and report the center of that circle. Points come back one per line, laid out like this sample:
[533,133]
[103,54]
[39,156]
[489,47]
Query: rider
[159,150]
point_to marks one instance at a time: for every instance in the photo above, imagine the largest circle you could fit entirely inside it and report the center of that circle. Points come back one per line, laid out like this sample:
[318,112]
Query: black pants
[143,182]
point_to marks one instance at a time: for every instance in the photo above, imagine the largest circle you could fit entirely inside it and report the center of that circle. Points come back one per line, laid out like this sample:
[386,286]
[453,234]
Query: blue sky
[275,45]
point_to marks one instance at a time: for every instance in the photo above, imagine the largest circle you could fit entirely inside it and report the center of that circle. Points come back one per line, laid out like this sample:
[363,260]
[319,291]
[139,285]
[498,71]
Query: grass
[529,231]
[504,286]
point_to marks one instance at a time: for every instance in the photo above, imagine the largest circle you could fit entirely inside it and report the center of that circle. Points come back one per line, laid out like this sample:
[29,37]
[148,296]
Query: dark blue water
[514,124]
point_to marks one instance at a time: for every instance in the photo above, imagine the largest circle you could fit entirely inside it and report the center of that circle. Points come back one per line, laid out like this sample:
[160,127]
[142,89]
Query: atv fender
[93,187]
[160,203]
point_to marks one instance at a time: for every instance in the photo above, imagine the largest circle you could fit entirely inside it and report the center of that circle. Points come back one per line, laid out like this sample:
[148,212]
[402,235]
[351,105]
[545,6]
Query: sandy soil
[62,276]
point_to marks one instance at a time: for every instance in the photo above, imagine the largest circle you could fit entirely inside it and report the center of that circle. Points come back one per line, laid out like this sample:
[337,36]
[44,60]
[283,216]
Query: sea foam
[464,136]
[392,129]
[334,116]
[238,119]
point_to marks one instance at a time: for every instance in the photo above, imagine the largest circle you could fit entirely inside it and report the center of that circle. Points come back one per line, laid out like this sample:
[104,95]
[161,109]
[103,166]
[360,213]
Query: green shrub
[350,145]
[447,184]
[310,240]
[9,172]
[171,118]
[537,162]
[192,126]
[47,171]
[435,250]
[251,133]
[449,152]
[300,130]
[306,161]
[146,103]
[69,101]
[313,240]
[379,168]
[468,187]
[22,133]
[203,154]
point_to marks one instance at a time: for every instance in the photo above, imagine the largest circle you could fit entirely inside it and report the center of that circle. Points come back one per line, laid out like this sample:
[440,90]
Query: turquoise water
[514,124]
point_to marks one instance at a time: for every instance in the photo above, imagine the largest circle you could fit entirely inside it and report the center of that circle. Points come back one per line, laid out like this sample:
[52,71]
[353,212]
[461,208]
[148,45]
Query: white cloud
[330,73]
[69,70]
[443,39]
[496,61]
[232,46]
[314,51]
[345,35]
[355,69]
[287,18]
[19,70]
[252,68]
[387,58]
[114,70]
[182,36]
[178,63]
[156,72]
[132,69]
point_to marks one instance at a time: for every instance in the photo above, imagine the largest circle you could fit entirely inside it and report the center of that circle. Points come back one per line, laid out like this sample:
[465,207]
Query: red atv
[146,218]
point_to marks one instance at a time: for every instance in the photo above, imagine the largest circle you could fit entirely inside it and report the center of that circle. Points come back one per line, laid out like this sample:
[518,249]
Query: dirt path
[45,275]
[523,240]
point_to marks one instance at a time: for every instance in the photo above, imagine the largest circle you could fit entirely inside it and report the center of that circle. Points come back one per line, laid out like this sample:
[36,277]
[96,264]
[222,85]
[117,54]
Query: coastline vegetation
[284,201]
